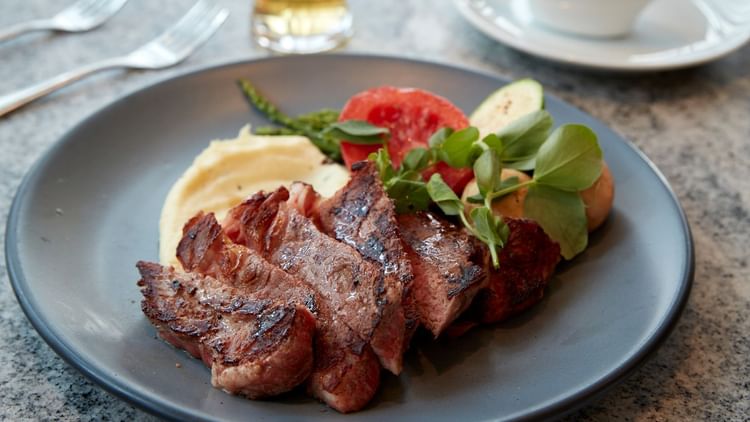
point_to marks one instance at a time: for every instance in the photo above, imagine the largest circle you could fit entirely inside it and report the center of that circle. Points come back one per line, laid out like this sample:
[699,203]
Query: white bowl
[593,18]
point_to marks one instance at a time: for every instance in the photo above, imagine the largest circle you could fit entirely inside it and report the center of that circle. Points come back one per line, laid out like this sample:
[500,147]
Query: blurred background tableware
[594,18]
[301,26]
[170,48]
[82,16]
[668,34]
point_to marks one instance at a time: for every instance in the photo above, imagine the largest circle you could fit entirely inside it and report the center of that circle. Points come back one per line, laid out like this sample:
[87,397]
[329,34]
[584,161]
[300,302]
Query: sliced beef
[526,264]
[361,215]
[254,347]
[350,291]
[448,266]
[206,250]
[346,373]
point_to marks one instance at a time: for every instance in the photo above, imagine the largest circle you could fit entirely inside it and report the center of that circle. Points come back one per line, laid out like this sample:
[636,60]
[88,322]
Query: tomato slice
[412,116]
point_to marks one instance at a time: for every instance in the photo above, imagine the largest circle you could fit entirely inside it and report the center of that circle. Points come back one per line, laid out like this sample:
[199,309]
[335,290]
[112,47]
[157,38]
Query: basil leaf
[522,138]
[561,214]
[437,138]
[444,196]
[570,159]
[487,171]
[356,132]
[416,159]
[457,149]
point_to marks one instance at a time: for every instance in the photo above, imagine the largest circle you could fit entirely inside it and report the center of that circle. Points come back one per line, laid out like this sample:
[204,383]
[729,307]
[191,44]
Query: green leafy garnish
[405,185]
[443,196]
[321,127]
[570,159]
[417,159]
[456,149]
[484,225]
[356,132]
[491,229]
[565,162]
[561,214]
[487,169]
[522,138]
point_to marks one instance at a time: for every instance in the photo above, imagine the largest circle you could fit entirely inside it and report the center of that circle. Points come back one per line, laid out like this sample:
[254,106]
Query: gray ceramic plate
[89,209]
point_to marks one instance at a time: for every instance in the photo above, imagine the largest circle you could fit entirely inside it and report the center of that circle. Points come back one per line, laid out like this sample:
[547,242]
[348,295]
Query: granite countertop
[692,123]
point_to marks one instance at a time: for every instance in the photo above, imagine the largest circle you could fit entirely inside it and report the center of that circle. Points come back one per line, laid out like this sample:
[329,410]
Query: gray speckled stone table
[694,124]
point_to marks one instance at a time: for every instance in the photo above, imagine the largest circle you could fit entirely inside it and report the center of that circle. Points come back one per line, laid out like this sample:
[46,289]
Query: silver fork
[81,16]
[168,49]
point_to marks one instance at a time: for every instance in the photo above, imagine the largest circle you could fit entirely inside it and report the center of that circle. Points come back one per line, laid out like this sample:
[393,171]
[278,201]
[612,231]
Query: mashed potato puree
[228,171]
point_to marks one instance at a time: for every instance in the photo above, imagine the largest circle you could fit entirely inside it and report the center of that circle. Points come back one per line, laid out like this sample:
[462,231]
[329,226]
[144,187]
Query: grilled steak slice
[526,263]
[354,287]
[448,268]
[362,216]
[205,249]
[254,347]
[346,373]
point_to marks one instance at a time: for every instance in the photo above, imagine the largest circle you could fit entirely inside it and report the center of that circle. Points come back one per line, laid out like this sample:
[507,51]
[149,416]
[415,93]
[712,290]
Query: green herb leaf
[443,196]
[561,214]
[523,164]
[475,199]
[457,150]
[408,195]
[438,138]
[416,159]
[487,169]
[570,159]
[356,132]
[492,141]
[522,138]
[505,185]
[383,163]
[491,227]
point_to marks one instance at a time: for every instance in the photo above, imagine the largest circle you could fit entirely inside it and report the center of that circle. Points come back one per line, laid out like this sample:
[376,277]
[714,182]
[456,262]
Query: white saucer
[669,34]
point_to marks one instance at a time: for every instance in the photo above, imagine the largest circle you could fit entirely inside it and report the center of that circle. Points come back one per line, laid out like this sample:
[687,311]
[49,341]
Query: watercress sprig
[564,162]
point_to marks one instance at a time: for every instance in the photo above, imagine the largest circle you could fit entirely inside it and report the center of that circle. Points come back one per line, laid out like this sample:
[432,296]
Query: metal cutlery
[81,16]
[168,49]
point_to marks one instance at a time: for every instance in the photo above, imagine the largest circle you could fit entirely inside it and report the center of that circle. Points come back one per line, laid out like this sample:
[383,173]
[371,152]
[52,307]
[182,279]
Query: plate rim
[166,409]
[480,24]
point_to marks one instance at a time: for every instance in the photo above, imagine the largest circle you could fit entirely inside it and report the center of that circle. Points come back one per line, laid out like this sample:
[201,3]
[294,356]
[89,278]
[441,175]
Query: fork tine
[84,7]
[188,34]
[203,32]
[190,18]
[99,6]
[92,6]
[186,29]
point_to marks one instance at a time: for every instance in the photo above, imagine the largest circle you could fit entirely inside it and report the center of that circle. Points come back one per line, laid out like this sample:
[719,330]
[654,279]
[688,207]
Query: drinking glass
[301,26]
